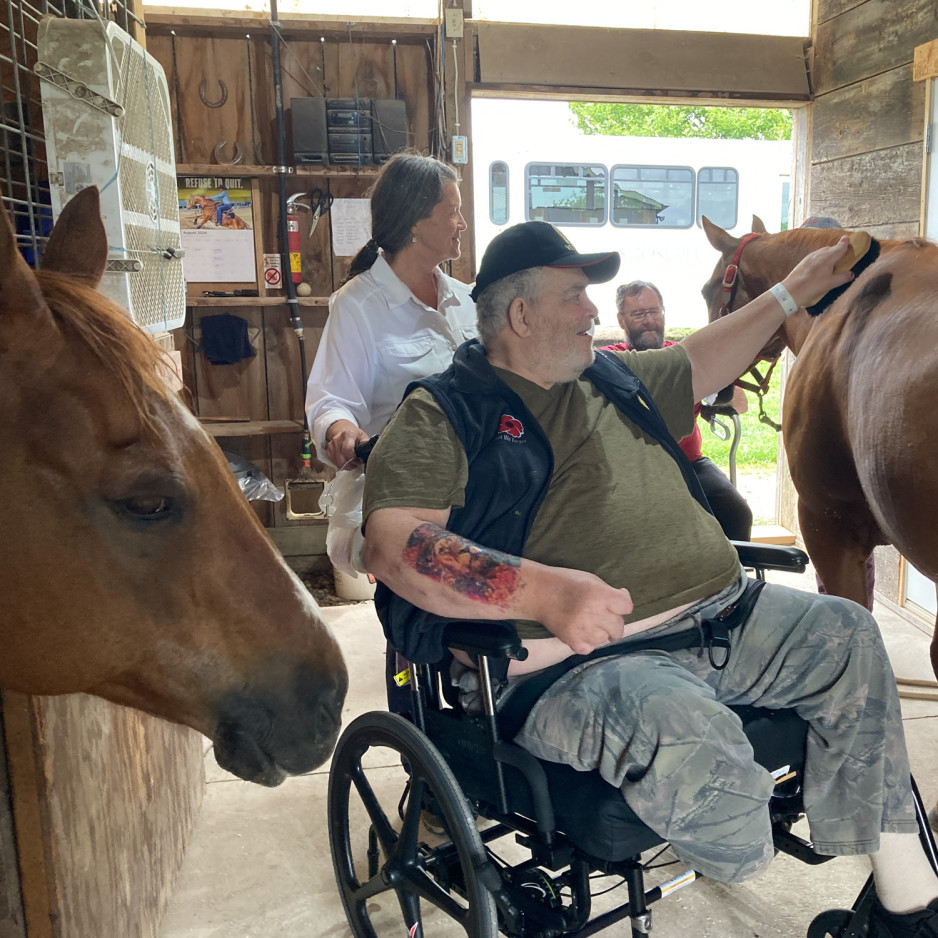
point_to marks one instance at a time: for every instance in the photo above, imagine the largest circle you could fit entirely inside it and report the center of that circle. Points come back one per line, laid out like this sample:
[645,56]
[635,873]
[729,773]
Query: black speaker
[310,138]
[389,127]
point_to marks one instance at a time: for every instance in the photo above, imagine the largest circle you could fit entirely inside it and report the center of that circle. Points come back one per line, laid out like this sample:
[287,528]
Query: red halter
[732,271]
[729,290]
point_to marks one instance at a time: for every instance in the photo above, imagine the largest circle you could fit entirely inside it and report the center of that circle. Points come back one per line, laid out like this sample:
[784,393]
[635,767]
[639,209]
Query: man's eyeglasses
[653,312]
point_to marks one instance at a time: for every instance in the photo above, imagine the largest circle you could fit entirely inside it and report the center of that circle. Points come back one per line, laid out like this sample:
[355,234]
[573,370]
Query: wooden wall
[104,800]
[865,145]
[868,114]
[319,58]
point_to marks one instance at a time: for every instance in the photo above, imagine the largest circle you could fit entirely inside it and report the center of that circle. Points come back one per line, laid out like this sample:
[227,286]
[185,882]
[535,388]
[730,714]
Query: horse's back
[875,352]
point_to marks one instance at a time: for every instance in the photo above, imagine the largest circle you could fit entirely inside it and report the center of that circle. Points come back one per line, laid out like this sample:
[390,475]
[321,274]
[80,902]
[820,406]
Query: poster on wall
[216,221]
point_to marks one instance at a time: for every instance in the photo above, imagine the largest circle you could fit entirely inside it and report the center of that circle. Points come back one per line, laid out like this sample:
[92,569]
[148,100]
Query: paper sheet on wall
[218,256]
[351,225]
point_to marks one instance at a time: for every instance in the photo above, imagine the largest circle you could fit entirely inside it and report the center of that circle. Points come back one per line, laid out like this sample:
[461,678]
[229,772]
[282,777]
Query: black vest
[510,468]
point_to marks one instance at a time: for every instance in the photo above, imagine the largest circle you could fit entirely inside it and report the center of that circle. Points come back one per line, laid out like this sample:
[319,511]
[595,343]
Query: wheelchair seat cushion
[599,822]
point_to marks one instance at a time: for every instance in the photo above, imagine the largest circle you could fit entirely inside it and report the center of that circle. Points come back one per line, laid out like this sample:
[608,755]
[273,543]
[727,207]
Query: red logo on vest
[511,425]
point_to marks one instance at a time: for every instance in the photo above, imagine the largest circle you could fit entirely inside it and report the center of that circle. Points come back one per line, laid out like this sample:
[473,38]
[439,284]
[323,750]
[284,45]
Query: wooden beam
[30,814]
[642,61]
[925,61]
[161,19]
[632,95]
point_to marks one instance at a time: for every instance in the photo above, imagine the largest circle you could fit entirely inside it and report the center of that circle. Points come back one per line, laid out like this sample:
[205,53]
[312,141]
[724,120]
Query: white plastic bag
[341,503]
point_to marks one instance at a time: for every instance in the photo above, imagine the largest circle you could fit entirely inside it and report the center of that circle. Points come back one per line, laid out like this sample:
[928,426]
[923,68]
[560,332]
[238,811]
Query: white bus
[640,196]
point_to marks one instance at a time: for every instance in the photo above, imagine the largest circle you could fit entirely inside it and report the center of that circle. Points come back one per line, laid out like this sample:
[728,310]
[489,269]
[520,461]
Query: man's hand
[583,611]
[816,274]
[341,438]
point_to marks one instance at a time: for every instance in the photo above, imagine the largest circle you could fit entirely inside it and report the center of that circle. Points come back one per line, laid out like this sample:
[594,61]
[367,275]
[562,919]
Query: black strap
[714,635]
[644,413]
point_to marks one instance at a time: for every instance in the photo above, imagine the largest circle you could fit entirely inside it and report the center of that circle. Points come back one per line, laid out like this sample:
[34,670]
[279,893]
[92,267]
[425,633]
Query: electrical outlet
[460,147]
[454,23]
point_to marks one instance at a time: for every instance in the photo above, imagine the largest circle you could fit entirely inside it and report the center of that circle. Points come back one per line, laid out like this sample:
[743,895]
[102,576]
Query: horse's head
[195,201]
[131,565]
[728,287]
[750,265]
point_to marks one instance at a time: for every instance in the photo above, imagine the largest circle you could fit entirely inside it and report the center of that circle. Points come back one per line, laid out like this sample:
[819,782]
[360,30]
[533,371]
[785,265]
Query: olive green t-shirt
[617,504]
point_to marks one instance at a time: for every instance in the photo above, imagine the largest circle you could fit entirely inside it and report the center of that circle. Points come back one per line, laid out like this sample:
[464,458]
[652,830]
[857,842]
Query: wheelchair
[480,838]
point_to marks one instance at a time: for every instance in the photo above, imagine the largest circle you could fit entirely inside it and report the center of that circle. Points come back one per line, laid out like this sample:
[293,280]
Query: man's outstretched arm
[412,552]
[722,351]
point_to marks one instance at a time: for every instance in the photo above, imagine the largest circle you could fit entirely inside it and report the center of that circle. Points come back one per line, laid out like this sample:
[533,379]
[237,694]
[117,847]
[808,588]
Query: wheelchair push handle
[364,448]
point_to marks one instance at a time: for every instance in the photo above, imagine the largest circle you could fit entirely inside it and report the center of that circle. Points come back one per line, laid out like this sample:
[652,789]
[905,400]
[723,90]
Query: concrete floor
[259,864]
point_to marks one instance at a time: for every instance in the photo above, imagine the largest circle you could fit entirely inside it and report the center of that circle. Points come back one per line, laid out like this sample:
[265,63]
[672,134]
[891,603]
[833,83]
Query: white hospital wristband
[785,299]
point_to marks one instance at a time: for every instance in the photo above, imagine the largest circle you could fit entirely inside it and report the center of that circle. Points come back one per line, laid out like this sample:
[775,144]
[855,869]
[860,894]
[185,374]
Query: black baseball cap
[538,244]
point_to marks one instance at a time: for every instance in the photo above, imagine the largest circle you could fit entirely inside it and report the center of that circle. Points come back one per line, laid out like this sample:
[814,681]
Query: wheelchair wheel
[830,924]
[386,864]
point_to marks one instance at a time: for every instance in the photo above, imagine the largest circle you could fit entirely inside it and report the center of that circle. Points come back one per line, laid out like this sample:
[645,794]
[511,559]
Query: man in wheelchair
[538,481]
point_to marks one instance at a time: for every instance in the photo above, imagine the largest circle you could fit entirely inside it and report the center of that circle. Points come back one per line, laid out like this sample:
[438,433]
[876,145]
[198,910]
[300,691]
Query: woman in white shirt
[397,317]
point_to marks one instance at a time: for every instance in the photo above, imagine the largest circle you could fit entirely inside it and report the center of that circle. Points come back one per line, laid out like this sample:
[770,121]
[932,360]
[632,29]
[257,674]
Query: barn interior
[113,823]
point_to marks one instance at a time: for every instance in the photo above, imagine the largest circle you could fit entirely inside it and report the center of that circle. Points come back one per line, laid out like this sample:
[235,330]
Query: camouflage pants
[656,725]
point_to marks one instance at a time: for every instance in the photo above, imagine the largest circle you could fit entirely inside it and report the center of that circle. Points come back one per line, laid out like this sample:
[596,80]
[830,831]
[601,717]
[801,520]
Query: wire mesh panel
[108,124]
[24,183]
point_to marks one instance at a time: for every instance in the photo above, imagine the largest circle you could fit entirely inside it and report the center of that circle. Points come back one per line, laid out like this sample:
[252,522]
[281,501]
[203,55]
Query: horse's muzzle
[265,735]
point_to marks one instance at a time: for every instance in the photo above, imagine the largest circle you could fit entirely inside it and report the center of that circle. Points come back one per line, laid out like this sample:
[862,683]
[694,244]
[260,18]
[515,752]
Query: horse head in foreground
[860,423]
[131,565]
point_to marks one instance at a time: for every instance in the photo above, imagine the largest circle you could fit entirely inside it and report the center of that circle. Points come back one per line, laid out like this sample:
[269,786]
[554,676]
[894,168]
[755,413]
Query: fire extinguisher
[293,244]
[293,237]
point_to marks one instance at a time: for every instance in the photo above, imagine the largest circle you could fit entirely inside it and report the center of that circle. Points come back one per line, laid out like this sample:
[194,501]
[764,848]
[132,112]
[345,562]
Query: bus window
[498,193]
[565,194]
[718,195]
[647,196]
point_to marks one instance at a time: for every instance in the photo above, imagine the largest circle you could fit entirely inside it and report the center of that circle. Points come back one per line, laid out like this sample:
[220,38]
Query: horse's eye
[148,507]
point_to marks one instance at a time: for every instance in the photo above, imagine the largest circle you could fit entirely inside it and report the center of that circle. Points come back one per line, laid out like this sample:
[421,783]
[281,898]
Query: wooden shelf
[254,300]
[244,169]
[227,428]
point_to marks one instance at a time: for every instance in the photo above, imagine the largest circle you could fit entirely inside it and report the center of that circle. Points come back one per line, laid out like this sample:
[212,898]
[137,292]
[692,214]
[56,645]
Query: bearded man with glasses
[640,310]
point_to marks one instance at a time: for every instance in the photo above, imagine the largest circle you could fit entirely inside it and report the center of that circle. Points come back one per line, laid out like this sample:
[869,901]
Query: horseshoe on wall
[220,101]
[219,153]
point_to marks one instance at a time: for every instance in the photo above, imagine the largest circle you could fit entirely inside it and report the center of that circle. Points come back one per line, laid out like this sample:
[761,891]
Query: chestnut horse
[131,565]
[860,424]
[208,208]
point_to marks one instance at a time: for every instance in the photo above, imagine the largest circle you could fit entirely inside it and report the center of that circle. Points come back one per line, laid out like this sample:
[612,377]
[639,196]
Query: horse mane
[112,337]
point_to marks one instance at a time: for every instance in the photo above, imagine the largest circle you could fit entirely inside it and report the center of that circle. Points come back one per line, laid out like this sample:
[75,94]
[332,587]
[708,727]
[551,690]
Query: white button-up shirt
[378,338]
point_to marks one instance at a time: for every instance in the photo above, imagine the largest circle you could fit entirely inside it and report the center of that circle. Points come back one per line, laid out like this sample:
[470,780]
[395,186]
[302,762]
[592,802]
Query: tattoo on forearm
[485,575]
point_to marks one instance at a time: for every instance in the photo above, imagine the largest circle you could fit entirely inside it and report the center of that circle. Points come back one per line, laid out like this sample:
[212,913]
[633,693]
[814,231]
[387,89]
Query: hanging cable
[286,278]
[455,87]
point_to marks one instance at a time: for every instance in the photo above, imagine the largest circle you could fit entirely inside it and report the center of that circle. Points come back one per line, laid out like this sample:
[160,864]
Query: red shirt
[692,444]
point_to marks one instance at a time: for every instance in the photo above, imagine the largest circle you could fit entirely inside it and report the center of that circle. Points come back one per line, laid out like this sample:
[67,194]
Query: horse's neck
[796,329]
[771,266]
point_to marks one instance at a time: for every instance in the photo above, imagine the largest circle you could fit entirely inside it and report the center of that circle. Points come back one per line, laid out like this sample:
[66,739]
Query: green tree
[677,120]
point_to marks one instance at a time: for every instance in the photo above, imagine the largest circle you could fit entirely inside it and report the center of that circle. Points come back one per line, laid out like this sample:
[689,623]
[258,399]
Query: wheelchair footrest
[797,847]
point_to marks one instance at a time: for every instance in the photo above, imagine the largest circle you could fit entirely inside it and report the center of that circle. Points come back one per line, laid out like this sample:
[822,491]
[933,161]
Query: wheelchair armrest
[771,556]
[492,638]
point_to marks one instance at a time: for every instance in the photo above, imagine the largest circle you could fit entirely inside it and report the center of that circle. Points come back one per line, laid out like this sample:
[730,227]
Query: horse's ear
[722,240]
[757,225]
[24,313]
[78,244]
